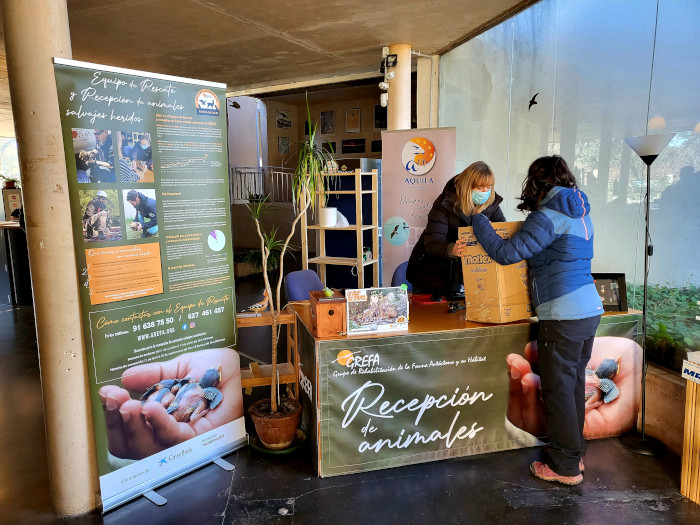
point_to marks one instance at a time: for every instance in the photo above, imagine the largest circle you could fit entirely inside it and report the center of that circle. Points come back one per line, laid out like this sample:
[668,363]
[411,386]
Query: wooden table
[435,391]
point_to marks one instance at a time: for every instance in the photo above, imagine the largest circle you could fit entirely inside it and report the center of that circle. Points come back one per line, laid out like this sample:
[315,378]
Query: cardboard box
[327,314]
[494,293]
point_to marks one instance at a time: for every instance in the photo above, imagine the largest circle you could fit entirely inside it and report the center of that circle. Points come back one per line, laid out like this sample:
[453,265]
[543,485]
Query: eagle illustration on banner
[418,156]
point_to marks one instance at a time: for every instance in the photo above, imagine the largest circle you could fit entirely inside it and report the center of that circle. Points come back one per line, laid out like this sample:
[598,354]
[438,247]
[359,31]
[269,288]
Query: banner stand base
[155,498]
[224,464]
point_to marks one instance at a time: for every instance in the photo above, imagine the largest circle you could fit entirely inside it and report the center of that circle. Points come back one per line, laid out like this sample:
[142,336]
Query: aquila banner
[416,165]
[148,183]
[392,401]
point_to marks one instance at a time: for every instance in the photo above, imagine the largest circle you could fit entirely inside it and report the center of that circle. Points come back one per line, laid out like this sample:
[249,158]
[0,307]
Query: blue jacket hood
[569,201]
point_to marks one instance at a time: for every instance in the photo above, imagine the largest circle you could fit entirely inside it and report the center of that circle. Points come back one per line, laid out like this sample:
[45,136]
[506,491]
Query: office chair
[297,285]
[399,276]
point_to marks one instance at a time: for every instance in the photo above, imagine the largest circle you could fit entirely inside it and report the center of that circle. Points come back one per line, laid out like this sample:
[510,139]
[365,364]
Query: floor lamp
[648,148]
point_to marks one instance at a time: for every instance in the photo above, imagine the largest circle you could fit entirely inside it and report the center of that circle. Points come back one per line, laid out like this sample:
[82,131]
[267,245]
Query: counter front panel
[380,402]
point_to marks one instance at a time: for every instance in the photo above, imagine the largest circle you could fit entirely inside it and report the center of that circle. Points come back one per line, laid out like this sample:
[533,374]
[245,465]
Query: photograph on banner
[93,152]
[155,265]
[135,156]
[377,310]
[140,213]
[101,215]
[613,376]
[173,401]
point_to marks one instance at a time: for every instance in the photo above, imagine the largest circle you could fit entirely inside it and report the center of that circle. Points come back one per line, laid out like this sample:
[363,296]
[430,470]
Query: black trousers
[564,351]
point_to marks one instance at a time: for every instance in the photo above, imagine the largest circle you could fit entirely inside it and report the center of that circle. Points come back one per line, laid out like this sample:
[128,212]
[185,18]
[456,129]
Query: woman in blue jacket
[557,241]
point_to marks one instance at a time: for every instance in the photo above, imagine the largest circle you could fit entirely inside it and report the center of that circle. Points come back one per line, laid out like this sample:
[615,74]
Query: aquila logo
[207,103]
[418,156]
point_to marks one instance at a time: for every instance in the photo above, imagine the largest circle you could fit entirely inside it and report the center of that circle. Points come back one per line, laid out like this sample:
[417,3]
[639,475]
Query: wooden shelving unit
[261,375]
[322,260]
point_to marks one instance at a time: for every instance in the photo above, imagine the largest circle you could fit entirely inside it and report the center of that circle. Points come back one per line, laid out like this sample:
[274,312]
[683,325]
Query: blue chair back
[297,285]
[399,276]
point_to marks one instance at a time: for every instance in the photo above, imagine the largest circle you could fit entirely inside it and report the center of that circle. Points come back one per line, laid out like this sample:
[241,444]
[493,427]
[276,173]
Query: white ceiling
[249,44]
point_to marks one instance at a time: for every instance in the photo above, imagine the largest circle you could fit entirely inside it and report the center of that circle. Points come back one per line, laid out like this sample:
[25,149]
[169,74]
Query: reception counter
[436,391]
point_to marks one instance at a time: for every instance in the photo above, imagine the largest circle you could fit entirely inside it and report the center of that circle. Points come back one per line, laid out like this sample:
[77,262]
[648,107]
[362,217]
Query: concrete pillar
[434,91]
[427,91]
[423,84]
[399,108]
[35,32]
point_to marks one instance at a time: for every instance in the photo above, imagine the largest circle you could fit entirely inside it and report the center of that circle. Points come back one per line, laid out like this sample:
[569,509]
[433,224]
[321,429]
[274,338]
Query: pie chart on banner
[396,231]
[216,240]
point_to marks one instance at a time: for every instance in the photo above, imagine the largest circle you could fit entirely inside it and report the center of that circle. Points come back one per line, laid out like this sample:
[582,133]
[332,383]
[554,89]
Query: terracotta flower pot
[276,431]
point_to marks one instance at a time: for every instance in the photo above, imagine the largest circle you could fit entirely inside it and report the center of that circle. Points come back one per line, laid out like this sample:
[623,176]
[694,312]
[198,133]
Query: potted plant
[9,182]
[276,420]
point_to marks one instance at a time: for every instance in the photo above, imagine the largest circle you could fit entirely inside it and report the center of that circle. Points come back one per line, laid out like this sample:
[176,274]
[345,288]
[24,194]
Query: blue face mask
[145,146]
[480,197]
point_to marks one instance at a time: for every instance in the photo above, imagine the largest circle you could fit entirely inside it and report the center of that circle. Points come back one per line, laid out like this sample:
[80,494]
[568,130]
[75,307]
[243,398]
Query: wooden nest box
[328,314]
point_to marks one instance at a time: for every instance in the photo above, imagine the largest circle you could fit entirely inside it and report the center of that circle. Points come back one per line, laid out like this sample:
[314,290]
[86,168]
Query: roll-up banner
[148,182]
[416,165]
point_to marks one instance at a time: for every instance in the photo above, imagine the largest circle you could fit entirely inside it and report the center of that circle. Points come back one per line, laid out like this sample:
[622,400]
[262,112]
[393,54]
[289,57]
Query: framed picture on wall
[612,291]
[353,146]
[379,117]
[352,120]
[283,119]
[282,145]
[327,122]
[376,146]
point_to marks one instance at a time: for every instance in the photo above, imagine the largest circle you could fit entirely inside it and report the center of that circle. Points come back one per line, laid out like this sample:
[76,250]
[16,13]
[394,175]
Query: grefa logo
[355,360]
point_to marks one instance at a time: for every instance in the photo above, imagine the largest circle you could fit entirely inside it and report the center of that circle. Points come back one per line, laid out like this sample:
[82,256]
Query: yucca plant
[313,162]
[315,165]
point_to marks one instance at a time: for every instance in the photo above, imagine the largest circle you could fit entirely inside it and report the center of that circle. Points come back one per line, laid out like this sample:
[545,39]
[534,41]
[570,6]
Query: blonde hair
[475,175]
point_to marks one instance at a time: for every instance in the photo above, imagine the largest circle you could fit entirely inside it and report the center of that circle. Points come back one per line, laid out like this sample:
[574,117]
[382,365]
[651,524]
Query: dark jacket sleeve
[536,234]
[151,213]
[435,240]
[90,209]
[497,215]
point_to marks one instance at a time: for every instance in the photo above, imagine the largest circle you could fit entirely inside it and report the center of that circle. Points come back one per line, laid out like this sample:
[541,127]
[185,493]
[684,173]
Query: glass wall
[575,78]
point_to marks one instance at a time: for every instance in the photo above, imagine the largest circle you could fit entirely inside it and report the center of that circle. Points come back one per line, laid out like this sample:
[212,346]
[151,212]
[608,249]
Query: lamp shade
[648,147]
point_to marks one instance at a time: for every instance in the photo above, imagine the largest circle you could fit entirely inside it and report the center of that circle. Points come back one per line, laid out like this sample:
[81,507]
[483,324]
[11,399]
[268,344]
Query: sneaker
[542,471]
[580,461]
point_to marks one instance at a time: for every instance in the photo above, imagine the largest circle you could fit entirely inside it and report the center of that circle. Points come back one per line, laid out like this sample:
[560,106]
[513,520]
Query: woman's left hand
[460,248]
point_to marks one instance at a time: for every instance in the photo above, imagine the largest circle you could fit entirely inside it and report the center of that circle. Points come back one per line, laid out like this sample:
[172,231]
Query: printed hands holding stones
[607,413]
[177,400]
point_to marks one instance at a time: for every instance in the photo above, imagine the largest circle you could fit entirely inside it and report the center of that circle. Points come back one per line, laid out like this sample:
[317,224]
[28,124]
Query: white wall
[242,134]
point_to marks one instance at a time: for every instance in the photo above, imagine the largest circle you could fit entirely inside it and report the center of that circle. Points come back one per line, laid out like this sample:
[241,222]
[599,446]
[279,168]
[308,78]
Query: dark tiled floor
[619,486]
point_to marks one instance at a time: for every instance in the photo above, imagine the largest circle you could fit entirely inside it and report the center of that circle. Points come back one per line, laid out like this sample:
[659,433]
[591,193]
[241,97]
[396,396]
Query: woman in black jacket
[464,195]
